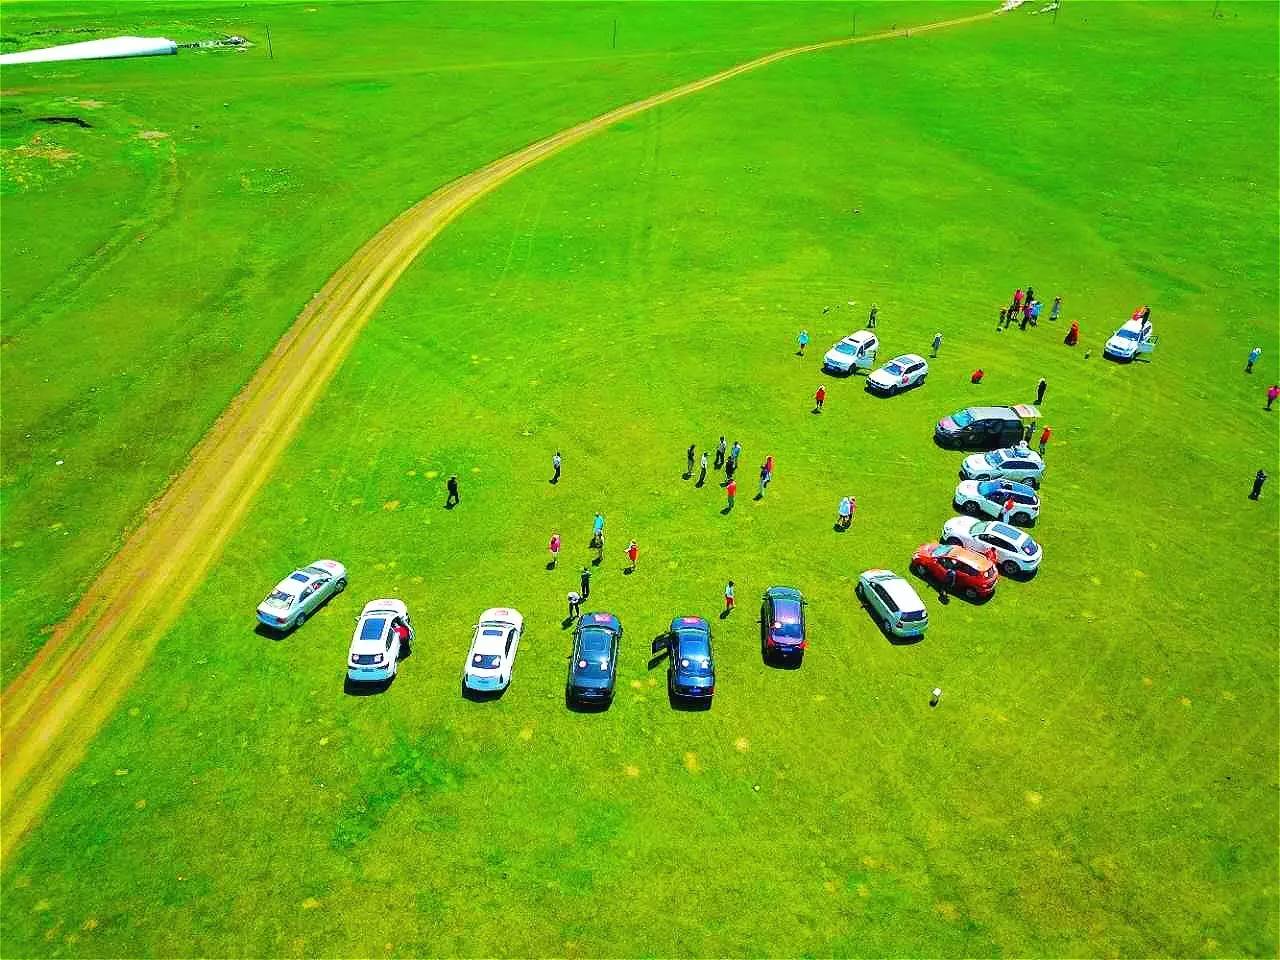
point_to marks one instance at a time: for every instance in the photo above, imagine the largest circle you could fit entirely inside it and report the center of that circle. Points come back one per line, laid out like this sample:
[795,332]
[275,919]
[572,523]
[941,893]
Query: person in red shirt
[633,554]
[1009,506]
[1044,439]
[1272,392]
[977,375]
[819,398]
[554,547]
[732,491]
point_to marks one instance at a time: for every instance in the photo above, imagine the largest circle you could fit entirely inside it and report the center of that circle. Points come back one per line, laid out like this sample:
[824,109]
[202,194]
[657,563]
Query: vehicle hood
[968,488]
[838,359]
[1121,345]
[958,527]
[947,425]
[975,463]
[883,378]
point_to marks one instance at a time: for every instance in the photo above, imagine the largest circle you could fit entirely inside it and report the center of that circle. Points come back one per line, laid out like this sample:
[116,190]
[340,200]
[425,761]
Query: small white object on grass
[57,463]
[937,695]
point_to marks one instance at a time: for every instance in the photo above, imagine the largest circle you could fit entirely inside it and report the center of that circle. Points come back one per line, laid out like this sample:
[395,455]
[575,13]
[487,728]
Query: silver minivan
[894,602]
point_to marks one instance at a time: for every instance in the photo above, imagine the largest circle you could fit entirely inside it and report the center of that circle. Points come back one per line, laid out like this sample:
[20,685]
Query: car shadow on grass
[688,704]
[358,688]
[267,633]
[885,632]
[482,696]
[581,706]
[945,598]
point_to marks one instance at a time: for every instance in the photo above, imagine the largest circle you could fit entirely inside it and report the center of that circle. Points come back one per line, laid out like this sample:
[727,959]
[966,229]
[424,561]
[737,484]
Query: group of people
[1025,309]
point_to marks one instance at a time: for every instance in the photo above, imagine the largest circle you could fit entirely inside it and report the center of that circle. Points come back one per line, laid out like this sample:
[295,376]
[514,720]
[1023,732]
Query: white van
[894,602]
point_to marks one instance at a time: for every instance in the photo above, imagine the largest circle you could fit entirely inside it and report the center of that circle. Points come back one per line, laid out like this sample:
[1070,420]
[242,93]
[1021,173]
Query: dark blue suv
[691,668]
[593,666]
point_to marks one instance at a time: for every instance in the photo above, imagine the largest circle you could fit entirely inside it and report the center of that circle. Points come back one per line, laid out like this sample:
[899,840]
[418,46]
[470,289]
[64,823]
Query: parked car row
[384,636]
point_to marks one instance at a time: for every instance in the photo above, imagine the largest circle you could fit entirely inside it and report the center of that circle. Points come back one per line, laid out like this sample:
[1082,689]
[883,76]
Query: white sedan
[899,374]
[1011,463]
[300,594]
[493,651]
[1014,550]
[382,638]
[991,496]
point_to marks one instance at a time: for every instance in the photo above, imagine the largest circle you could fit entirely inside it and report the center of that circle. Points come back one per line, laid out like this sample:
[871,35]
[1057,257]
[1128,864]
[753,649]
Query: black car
[593,666]
[980,428]
[691,668]
[782,630]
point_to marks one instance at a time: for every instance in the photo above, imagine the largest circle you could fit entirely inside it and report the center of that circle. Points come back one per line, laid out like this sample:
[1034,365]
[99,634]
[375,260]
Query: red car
[975,574]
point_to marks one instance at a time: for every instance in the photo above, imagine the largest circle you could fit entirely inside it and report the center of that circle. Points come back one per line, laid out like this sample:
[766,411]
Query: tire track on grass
[57,704]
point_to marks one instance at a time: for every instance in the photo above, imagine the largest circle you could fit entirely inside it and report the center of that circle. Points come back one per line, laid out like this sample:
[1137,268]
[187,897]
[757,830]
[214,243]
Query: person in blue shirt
[803,341]
[1254,354]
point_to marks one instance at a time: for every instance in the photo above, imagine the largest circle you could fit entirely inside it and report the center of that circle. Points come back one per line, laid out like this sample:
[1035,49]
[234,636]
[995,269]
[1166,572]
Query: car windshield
[994,458]
[486,661]
[941,550]
[695,654]
[894,368]
[991,488]
[912,615]
[491,631]
[844,346]
[962,419]
[372,628]
[279,599]
[1127,334]
[786,620]
[316,571]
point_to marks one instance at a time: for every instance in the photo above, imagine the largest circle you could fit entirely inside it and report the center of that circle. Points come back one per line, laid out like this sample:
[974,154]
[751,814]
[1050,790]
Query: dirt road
[52,711]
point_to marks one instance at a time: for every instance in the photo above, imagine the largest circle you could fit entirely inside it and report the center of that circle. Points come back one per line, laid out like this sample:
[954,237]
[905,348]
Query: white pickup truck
[1133,338]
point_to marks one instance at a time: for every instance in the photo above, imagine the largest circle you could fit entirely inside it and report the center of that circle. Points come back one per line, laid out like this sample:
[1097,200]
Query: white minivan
[857,351]
[894,602]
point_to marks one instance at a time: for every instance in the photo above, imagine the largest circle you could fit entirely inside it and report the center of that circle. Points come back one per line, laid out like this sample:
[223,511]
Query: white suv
[894,602]
[855,352]
[1011,463]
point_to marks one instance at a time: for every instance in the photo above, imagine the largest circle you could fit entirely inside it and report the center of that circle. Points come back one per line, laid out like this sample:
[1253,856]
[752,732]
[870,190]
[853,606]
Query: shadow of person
[725,511]
[724,614]
[567,622]
[551,564]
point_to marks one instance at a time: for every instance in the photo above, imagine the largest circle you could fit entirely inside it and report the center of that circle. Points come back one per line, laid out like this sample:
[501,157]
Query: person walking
[453,499]
[871,317]
[720,453]
[948,585]
[1016,305]
[702,469]
[555,467]
[1258,480]
[843,513]
[584,582]
[728,598]
[1045,434]
[764,480]
[633,554]
[732,491]
[803,340]
[730,468]
[1030,299]
[575,604]
[1272,392]
[937,342]
[1026,317]
[1254,354]
[1056,310]
[1041,387]
[1035,313]
[853,510]
[554,548]
[768,470]
[819,398]
[597,525]
[734,453]
[688,470]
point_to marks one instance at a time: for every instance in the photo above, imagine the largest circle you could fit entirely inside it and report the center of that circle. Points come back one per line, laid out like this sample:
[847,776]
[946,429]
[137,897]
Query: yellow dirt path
[52,710]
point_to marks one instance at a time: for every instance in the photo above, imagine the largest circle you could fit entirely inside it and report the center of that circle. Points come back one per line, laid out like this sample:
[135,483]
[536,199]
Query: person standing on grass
[702,469]
[633,554]
[688,470]
[768,470]
[1045,434]
[803,340]
[453,499]
[575,604]
[937,342]
[728,598]
[1026,317]
[843,513]
[1007,510]
[1258,480]
[732,491]
[819,398]
[1035,313]
[1272,392]
[1041,387]
[871,317]
[554,547]
[720,453]
[584,583]
[734,453]
[1056,310]
[555,467]
[1254,354]
[1016,305]
[853,510]
[1073,335]
[1030,298]
[764,472]
[977,375]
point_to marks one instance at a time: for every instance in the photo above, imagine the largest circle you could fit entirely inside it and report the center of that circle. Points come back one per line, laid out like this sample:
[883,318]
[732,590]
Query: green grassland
[150,261]
[1100,777]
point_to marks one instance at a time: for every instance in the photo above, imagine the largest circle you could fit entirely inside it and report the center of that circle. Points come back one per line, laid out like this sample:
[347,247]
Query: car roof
[1134,325]
[992,413]
[908,358]
[1006,531]
[689,623]
[971,557]
[502,615]
[490,638]
[902,593]
[605,621]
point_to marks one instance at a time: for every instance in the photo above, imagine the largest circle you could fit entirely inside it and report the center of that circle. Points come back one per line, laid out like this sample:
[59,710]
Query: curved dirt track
[52,710]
